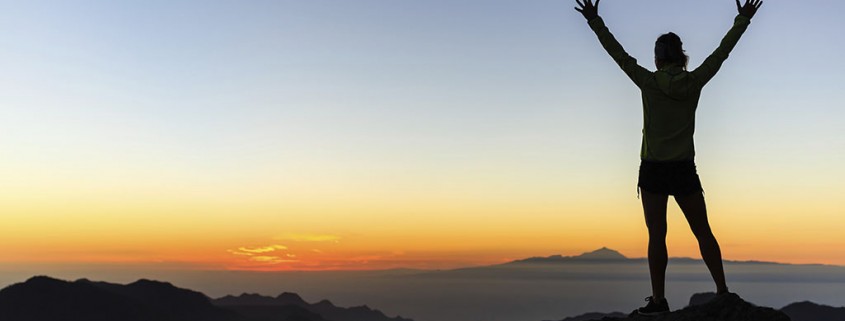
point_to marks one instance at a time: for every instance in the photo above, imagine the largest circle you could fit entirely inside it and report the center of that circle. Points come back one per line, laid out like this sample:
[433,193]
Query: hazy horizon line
[185,266]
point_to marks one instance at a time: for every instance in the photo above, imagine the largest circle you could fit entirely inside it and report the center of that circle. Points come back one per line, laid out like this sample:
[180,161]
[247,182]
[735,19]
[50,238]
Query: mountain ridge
[610,255]
[602,254]
[42,298]
[247,303]
[810,311]
[38,298]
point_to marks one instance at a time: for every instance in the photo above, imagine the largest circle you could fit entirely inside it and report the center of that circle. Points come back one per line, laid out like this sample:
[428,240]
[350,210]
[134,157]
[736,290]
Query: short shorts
[673,178]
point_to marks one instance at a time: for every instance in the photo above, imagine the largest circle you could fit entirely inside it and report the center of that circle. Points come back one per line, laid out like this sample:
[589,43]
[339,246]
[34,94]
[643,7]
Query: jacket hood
[674,81]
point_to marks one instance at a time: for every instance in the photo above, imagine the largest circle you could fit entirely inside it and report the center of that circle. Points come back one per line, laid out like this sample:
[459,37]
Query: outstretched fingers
[586,8]
[597,4]
[750,7]
[751,3]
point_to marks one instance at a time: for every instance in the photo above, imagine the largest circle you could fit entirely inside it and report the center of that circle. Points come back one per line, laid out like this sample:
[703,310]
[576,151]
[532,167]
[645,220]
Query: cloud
[270,259]
[250,251]
[235,252]
[308,238]
[263,249]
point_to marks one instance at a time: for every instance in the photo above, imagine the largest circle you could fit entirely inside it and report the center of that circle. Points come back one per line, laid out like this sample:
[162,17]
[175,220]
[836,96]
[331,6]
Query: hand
[749,9]
[590,11]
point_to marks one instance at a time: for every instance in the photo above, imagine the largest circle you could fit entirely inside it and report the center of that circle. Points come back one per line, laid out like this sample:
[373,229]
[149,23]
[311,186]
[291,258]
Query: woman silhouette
[670,97]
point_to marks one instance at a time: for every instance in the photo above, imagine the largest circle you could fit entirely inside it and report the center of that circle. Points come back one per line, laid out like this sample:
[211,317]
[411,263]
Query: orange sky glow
[303,135]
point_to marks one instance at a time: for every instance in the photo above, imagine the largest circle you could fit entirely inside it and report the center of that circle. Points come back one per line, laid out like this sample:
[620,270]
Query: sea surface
[516,292]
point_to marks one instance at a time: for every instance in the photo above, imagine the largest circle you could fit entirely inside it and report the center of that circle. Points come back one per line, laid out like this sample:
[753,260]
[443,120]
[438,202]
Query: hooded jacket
[670,95]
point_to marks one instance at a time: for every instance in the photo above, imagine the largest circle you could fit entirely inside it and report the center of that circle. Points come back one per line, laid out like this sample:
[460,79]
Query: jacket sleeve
[711,65]
[628,64]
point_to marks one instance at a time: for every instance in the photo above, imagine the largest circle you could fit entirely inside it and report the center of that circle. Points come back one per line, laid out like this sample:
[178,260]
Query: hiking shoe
[654,307]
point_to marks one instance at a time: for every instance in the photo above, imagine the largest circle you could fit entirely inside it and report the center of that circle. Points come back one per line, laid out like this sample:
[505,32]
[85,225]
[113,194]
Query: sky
[374,134]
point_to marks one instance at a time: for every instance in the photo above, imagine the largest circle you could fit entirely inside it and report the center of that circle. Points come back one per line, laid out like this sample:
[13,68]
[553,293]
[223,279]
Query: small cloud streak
[323,252]
[251,251]
[270,259]
[239,253]
[264,249]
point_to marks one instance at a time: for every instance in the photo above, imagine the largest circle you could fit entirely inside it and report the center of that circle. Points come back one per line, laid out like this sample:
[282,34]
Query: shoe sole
[652,314]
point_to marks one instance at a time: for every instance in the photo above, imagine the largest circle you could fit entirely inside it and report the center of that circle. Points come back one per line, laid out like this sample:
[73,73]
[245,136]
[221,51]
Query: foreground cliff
[729,307]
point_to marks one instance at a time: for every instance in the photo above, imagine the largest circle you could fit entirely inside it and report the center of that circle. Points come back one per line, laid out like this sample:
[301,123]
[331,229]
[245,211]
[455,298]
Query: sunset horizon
[276,258]
[202,141]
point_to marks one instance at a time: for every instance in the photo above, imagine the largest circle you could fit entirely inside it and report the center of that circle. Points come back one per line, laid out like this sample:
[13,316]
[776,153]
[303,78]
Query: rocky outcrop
[728,307]
[809,311]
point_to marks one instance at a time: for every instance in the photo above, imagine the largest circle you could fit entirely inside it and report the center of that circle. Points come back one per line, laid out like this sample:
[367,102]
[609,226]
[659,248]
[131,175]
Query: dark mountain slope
[254,304]
[43,298]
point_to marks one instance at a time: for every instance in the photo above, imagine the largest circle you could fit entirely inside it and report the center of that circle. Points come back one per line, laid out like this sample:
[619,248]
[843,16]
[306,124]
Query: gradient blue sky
[358,102]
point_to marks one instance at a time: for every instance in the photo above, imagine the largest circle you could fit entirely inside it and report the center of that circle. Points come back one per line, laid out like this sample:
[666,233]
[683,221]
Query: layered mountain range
[43,298]
[528,289]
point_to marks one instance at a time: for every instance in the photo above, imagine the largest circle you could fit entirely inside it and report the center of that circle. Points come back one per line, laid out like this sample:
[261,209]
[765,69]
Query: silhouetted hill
[256,307]
[254,304]
[602,254]
[251,299]
[809,311]
[290,298]
[43,298]
[606,255]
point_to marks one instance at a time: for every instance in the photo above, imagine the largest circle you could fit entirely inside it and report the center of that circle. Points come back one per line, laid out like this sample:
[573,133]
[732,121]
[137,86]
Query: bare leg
[654,207]
[696,213]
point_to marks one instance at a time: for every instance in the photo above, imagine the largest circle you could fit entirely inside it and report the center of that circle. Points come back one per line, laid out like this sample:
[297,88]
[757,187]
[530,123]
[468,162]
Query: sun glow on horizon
[376,134]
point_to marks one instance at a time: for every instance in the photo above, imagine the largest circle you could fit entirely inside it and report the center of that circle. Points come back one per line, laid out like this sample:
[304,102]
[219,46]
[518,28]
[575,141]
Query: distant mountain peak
[247,299]
[250,295]
[151,283]
[290,298]
[325,303]
[43,278]
[603,253]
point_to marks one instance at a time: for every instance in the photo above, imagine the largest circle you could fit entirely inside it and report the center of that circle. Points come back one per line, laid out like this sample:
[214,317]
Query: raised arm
[628,64]
[711,65]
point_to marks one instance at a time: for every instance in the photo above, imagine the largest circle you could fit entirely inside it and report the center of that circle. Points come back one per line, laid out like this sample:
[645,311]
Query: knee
[657,231]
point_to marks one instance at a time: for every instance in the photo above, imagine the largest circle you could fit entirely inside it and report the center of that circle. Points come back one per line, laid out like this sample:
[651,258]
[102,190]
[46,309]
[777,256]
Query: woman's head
[668,50]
